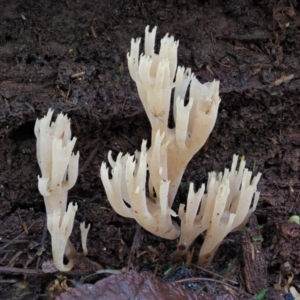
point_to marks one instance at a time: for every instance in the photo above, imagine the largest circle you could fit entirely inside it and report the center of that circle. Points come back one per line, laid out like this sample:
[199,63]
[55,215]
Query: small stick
[199,279]
[107,271]
[3,258]
[22,222]
[135,244]
[94,34]
[76,75]
[89,159]
[14,259]
[214,274]
[17,237]
[8,281]
[8,270]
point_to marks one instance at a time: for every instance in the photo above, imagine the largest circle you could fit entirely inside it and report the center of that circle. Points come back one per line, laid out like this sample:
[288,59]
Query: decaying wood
[255,269]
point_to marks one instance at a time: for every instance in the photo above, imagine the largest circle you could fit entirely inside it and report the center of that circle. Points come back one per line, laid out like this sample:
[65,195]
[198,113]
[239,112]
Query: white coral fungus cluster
[156,75]
[230,200]
[59,167]
[143,186]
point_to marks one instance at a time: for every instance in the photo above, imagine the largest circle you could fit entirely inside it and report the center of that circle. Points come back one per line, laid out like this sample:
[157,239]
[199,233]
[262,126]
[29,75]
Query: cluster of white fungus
[228,202]
[143,186]
[59,167]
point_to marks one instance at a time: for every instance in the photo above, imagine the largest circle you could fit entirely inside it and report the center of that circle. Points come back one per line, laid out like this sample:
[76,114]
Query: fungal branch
[156,76]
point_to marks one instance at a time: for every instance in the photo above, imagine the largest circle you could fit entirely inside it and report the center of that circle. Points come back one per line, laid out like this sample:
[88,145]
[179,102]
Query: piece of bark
[255,269]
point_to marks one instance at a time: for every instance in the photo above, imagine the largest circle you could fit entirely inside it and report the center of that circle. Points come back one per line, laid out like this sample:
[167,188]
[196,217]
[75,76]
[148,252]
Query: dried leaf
[130,285]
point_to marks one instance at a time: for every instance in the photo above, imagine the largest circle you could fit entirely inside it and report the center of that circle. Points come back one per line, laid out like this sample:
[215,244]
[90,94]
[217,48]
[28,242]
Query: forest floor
[71,56]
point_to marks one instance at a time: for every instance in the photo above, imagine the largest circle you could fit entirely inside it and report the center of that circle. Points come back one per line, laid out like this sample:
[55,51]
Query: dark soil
[252,47]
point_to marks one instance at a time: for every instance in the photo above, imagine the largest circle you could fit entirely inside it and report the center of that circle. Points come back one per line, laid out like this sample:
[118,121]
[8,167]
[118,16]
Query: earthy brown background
[252,47]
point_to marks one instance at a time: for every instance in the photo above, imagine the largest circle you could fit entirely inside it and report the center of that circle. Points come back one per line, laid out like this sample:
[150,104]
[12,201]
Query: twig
[214,274]
[21,241]
[79,74]
[197,279]
[22,222]
[107,271]
[14,259]
[135,244]
[8,270]
[17,237]
[89,159]
[4,258]
[8,281]
[94,34]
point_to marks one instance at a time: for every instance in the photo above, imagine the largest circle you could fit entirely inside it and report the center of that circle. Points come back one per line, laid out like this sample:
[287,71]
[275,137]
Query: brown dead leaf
[130,285]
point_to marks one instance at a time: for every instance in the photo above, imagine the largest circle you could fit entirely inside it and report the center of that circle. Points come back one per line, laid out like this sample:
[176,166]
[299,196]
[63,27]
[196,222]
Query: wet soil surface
[71,56]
